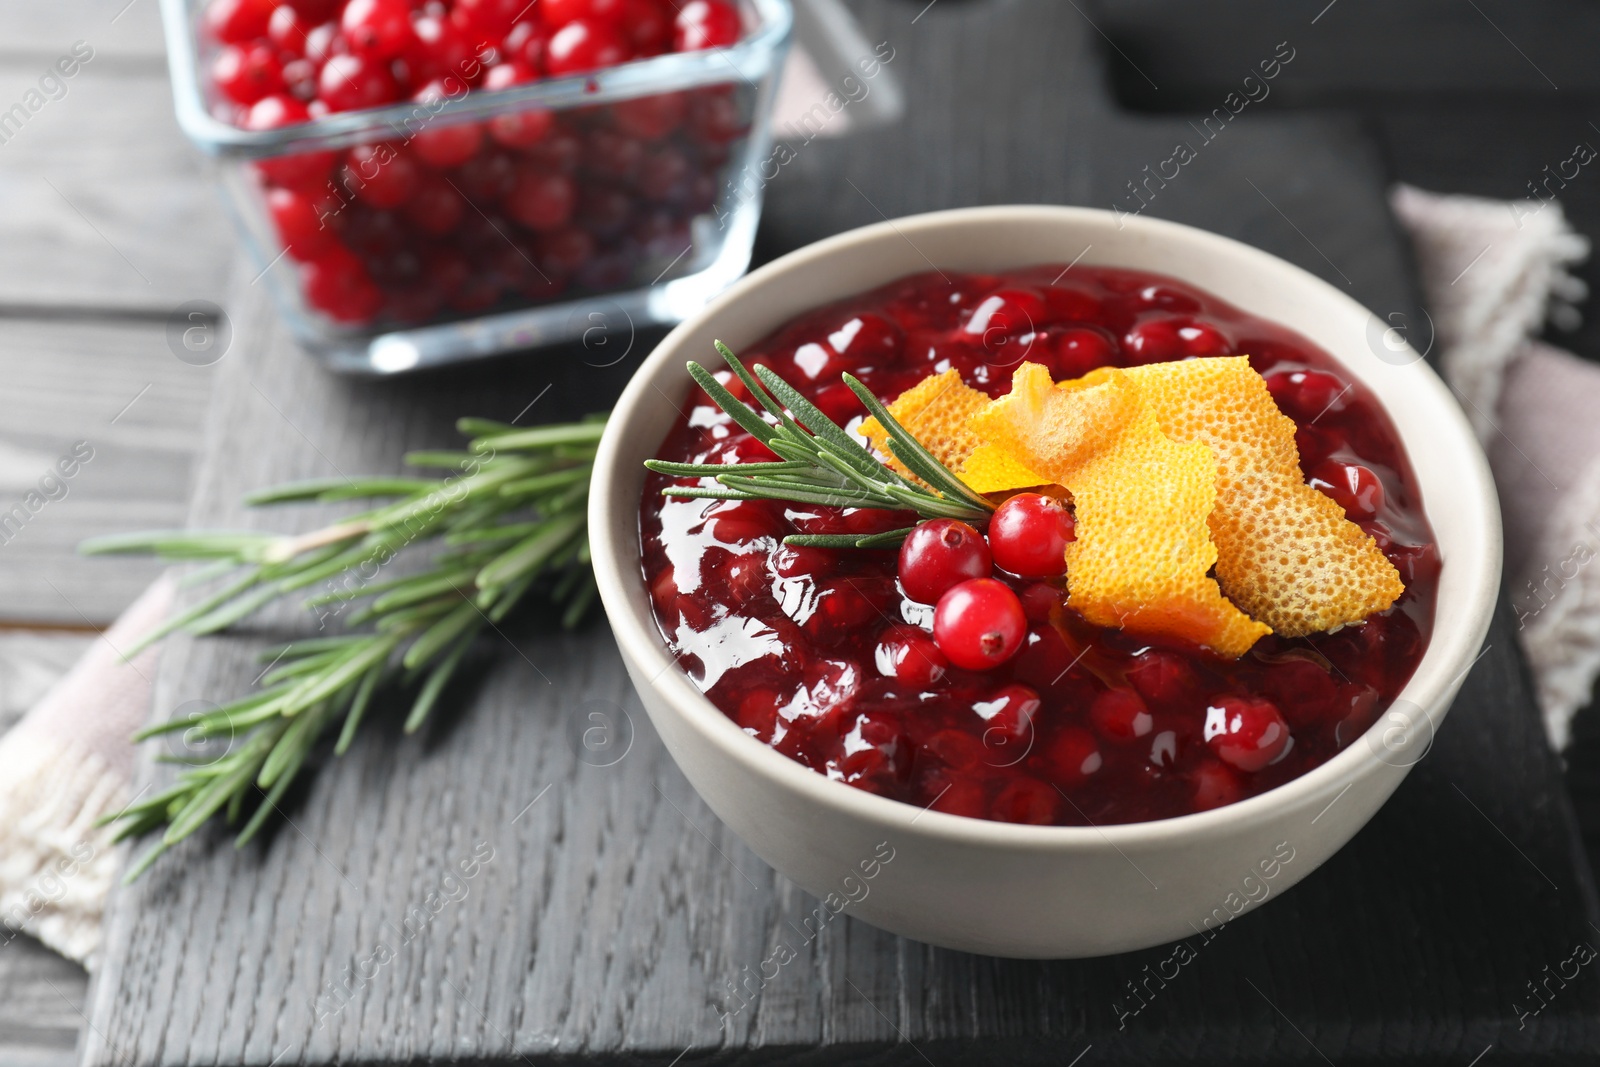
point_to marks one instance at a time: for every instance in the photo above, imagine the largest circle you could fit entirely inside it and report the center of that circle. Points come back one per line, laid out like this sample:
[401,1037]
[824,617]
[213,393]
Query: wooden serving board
[499,890]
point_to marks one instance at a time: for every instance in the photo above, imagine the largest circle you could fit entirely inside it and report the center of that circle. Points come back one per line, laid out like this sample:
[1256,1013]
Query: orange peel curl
[1286,553]
[1143,549]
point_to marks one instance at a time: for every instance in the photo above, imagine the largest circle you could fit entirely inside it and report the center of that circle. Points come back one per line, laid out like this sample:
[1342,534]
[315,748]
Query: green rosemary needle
[508,522]
[821,463]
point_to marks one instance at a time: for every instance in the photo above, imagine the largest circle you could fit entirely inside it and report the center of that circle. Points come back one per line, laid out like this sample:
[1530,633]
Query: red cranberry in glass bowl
[272,65]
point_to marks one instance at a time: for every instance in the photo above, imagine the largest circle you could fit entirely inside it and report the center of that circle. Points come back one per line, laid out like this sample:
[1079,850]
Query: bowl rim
[1451,652]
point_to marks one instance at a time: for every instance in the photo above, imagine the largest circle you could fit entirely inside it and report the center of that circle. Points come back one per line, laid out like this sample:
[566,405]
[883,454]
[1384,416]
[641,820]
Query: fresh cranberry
[1307,395]
[1246,733]
[909,656]
[314,11]
[301,170]
[557,13]
[1026,800]
[583,45]
[559,151]
[1161,339]
[339,286]
[381,175]
[612,155]
[300,225]
[377,29]
[1354,487]
[486,22]
[324,41]
[438,50]
[662,174]
[446,271]
[1029,534]
[564,252]
[238,21]
[300,79]
[1007,716]
[648,25]
[486,179]
[649,118]
[938,555]
[349,83]
[1074,756]
[526,44]
[447,147]
[373,234]
[246,73]
[516,129]
[1080,350]
[435,207]
[706,24]
[979,624]
[604,210]
[1120,716]
[715,117]
[540,200]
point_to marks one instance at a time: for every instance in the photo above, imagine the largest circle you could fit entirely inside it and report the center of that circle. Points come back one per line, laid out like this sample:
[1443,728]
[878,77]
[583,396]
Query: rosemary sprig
[507,523]
[819,462]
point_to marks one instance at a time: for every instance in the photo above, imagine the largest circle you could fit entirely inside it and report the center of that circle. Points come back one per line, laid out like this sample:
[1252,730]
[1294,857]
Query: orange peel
[1141,499]
[936,412]
[1286,553]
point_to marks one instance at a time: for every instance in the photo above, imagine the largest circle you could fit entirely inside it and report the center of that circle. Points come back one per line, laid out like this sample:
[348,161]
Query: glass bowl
[569,208]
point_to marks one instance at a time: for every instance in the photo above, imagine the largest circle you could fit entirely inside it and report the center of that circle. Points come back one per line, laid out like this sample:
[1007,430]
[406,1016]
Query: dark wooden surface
[107,222]
[616,910]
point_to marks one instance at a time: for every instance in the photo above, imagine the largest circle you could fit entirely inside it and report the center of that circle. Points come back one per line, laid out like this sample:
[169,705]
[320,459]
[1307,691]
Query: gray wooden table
[108,223]
[608,915]
[614,911]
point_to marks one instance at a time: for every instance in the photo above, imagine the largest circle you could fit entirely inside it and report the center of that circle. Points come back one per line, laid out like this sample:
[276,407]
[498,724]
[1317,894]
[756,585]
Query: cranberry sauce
[821,655]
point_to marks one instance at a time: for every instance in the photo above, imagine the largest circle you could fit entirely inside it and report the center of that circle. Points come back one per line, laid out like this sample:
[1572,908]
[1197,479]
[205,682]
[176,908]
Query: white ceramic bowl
[1034,891]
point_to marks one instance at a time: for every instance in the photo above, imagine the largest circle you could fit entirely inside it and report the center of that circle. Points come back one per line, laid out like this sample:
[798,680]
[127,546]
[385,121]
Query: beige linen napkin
[63,767]
[1492,272]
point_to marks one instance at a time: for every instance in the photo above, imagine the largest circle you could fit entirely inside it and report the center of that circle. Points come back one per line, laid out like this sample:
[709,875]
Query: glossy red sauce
[786,641]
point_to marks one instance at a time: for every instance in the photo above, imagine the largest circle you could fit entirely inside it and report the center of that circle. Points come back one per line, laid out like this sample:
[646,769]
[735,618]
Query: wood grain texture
[125,31]
[617,917]
[108,207]
[138,411]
